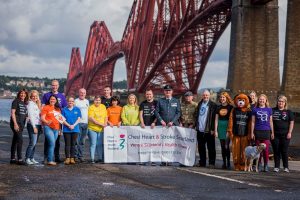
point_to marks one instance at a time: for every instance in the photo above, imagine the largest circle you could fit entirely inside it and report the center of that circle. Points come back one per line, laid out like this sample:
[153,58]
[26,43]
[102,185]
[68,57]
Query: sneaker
[276,169]
[28,161]
[286,170]
[51,163]
[34,161]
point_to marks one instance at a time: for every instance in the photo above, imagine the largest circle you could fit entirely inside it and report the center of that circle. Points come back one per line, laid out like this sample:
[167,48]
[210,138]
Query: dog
[252,153]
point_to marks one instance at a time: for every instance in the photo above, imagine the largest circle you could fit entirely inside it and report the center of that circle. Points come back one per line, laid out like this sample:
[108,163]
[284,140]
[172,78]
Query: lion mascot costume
[239,127]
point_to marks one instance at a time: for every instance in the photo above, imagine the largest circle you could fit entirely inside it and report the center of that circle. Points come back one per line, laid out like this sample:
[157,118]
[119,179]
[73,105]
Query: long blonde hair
[135,102]
[267,101]
[38,96]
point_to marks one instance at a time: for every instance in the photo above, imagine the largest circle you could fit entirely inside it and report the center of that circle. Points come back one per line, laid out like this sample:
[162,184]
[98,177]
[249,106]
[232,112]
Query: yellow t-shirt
[99,114]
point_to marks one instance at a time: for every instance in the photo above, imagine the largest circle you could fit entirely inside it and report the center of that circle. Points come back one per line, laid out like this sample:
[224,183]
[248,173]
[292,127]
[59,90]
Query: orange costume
[239,127]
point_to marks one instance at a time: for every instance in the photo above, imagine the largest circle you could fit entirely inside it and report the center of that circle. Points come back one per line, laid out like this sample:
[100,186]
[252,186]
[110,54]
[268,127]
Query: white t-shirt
[203,110]
[83,105]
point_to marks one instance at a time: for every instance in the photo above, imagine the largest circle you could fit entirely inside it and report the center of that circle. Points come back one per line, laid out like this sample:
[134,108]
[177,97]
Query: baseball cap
[188,93]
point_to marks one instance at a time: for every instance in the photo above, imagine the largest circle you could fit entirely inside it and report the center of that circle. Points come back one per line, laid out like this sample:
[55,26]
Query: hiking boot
[72,161]
[67,161]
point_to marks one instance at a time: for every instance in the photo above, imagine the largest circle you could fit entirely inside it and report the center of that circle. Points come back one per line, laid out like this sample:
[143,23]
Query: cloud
[14,64]
[36,36]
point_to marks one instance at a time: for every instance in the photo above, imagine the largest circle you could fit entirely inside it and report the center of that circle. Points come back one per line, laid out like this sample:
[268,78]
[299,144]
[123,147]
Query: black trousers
[56,149]
[225,151]
[280,149]
[209,140]
[17,143]
[70,141]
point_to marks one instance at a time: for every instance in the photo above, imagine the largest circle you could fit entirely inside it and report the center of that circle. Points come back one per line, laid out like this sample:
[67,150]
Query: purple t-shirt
[60,97]
[262,118]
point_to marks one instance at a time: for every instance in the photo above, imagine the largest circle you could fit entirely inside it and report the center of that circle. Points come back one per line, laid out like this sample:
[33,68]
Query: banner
[135,144]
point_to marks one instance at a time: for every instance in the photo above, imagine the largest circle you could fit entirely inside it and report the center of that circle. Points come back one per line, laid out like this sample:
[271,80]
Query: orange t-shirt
[114,114]
[49,112]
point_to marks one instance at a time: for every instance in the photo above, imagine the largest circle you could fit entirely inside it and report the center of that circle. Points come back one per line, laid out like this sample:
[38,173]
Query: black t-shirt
[148,109]
[21,111]
[105,101]
[281,121]
[224,112]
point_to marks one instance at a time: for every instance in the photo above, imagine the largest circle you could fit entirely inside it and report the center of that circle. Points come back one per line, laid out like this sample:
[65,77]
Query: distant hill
[14,84]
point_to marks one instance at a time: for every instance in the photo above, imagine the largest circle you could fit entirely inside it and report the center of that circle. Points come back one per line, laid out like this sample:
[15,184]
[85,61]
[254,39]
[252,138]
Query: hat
[168,87]
[188,93]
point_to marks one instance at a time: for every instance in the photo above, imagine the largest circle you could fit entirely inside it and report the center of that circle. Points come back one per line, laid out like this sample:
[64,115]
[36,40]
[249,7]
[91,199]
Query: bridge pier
[254,48]
[291,73]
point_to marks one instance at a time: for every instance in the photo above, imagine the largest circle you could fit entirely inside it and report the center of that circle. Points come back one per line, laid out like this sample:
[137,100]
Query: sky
[36,37]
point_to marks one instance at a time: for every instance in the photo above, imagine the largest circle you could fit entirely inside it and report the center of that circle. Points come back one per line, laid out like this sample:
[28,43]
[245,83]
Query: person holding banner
[130,112]
[188,109]
[62,102]
[167,111]
[71,129]
[49,116]
[147,110]
[114,112]
[97,116]
[205,125]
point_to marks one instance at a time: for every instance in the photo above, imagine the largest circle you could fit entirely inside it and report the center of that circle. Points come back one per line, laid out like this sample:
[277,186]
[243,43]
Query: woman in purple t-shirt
[262,127]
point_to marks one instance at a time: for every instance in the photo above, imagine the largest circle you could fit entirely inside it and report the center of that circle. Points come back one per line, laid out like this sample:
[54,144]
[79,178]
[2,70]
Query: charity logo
[263,116]
[223,112]
[122,141]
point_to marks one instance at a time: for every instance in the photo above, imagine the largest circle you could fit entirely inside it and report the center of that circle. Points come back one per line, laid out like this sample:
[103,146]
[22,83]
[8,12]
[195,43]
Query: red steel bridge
[164,42]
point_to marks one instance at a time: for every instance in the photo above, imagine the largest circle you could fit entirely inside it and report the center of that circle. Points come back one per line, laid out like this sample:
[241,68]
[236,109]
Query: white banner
[135,144]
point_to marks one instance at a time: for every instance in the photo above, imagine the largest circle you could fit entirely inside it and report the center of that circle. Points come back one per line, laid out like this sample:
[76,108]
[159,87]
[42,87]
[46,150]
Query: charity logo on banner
[135,144]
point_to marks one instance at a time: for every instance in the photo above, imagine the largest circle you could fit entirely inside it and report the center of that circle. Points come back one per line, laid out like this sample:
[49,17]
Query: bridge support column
[254,48]
[291,73]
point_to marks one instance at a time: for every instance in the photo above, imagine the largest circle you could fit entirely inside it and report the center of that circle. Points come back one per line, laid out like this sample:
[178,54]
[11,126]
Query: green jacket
[130,115]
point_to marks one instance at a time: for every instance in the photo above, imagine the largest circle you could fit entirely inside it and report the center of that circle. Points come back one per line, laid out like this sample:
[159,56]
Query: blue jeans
[33,139]
[82,135]
[96,144]
[51,136]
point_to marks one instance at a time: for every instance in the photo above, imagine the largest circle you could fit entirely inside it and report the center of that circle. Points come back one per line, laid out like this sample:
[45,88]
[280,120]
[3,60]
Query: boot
[72,161]
[67,161]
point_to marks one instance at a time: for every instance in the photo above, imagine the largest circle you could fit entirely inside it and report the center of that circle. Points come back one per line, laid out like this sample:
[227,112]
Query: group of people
[231,121]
